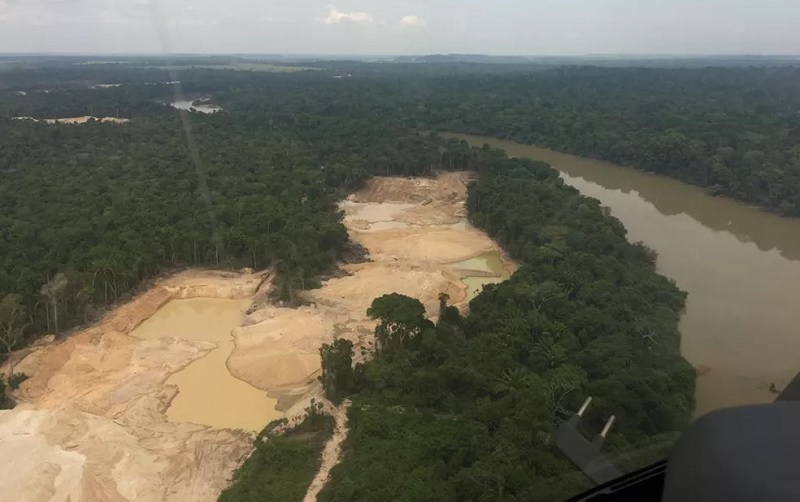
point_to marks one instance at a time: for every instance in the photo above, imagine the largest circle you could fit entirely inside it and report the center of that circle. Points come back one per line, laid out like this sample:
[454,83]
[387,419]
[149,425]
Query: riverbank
[740,266]
[588,315]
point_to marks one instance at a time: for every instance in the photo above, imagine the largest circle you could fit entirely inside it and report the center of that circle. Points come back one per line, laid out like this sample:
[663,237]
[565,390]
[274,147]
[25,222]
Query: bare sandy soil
[278,351]
[91,424]
[85,119]
[76,120]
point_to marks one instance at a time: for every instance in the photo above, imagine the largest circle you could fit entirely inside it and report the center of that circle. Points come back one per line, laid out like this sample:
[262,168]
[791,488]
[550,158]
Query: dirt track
[332,452]
[91,422]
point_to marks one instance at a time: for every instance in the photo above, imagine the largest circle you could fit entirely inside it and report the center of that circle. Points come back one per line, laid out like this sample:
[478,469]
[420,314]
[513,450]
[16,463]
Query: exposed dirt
[448,190]
[76,120]
[91,420]
[411,252]
[426,245]
[85,119]
[278,349]
[332,452]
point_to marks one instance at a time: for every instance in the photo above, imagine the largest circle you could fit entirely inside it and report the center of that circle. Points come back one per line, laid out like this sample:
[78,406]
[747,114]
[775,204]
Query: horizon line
[389,55]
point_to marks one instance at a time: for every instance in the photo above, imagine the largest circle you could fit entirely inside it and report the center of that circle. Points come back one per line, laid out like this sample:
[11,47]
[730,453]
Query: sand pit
[426,245]
[353,294]
[76,120]
[447,188]
[207,393]
[91,418]
[85,119]
[414,229]
[281,350]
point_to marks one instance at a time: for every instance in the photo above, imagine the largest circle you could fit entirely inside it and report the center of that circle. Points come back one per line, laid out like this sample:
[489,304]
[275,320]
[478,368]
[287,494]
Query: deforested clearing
[93,418]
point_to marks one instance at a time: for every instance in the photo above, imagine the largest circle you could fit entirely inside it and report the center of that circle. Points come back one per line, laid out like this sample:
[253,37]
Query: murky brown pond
[479,271]
[740,266]
[209,394]
[377,216]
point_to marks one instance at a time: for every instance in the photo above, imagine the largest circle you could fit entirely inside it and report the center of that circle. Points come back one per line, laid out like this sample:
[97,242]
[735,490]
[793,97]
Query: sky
[385,27]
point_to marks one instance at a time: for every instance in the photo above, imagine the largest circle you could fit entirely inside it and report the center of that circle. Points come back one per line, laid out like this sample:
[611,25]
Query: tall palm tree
[512,380]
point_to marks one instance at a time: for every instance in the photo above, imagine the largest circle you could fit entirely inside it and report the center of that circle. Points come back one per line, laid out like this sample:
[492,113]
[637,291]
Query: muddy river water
[209,394]
[740,266]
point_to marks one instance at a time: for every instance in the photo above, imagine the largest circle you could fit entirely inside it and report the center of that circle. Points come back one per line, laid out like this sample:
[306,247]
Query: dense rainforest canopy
[88,212]
[734,131]
[465,409]
[462,408]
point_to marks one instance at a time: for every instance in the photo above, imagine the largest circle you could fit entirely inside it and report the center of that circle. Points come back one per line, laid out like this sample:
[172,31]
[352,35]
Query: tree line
[284,461]
[89,213]
[465,408]
[734,131]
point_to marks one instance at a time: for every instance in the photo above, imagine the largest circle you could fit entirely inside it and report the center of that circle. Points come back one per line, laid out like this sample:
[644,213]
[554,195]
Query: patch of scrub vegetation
[6,403]
[284,461]
[466,408]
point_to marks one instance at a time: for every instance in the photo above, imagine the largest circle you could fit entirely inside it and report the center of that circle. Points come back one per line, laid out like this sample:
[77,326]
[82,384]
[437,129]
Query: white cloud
[412,21]
[335,16]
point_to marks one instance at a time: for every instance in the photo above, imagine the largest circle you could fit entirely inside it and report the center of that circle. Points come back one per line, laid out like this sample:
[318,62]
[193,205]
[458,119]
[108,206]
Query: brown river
[740,266]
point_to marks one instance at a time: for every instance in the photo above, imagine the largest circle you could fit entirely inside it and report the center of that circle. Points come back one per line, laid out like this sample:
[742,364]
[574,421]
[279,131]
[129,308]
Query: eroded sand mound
[281,350]
[437,201]
[447,187]
[91,416]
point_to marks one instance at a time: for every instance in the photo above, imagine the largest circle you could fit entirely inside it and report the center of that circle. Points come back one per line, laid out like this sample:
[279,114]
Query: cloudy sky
[529,27]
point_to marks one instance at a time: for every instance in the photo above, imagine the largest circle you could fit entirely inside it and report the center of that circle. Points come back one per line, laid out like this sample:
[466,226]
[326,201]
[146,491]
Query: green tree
[12,327]
[53,291]
[512,380]
[337,369]
[402,320]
